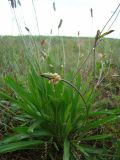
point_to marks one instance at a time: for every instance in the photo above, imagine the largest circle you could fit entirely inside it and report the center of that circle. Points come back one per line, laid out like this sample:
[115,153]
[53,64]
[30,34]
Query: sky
[74,13]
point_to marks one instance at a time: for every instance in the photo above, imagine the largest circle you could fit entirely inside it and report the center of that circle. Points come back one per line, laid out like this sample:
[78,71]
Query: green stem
[94,63]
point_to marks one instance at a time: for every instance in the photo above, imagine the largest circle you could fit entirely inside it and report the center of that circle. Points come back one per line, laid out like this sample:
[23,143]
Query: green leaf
[102,112]
[21,129]
[4,148]
[41,132]
[66,155]
[117,147]
[33,126]
[55,145]
[97,137]
[92,150]
[81,149]
[15,138]
[6,96]
[97,123]
[87,150]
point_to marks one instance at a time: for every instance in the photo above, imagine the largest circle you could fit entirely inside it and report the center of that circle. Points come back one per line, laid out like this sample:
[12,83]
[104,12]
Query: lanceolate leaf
[87,150]
[15,138]
[57,113]
[97,123]
[66,155]
[92,150]
[18,146]
[97,137]
[81,149]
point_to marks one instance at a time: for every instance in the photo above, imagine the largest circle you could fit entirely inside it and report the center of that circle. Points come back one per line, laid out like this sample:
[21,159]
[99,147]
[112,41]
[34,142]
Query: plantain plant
[53,111]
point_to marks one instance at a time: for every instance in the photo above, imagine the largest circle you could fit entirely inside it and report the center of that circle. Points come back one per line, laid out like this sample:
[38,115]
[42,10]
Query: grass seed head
[27,29]
[51,31]
[91,12]
[60,23]
[14,3]
[78,33]
[54,7]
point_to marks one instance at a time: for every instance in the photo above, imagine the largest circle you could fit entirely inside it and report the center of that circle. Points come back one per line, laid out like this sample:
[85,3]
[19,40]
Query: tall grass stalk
[18,26]
[49,43]
[98,37]
[106,24]
[27,55]
[33,45]
[90,39]
[94,53]
[61,57]
[91,28]
[114,20]
[59,26]
[35,13]
[78,49]
[64,55]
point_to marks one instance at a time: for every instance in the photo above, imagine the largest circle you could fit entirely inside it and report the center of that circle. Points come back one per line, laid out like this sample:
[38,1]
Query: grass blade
[18,146]
[66,150]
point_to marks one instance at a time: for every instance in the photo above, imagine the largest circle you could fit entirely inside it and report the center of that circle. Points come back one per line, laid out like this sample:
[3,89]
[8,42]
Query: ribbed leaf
[66,155]
[18,146]
[87,150]
[15,138]
[97,123]
[97,137]
[92,150]
[81,149]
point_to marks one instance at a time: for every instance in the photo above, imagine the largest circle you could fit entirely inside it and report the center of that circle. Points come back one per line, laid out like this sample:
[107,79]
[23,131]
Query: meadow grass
[86,123]
[12,49]
[59,96]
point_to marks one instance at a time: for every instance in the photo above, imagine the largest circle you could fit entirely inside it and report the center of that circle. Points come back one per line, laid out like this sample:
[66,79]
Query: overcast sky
[75,14]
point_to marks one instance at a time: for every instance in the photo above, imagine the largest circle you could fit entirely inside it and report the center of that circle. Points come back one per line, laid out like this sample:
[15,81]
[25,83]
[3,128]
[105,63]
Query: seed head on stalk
[60,23]
[91,12]
[55,78]
[54,7]
[14,3]
[52,77]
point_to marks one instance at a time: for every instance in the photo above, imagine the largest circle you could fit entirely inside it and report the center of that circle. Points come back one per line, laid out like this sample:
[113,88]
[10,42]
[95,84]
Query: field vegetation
[69,113]
[59,97]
